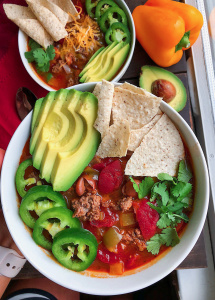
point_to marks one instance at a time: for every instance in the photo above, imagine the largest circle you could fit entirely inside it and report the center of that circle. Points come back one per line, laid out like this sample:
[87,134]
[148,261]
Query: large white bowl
[22,43]
[82,281]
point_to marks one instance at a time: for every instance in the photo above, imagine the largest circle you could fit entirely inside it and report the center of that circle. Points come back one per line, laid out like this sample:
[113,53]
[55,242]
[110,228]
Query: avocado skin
[151,73]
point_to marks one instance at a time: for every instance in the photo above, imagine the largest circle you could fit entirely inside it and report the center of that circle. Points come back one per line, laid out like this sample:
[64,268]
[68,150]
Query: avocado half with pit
[165,84]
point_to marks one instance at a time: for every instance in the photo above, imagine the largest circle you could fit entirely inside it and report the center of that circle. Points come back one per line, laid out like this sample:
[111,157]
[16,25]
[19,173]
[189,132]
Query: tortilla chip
[56,10]
[135,89]
[105,99]
[97,89]
[115,142]
[137,135]
[159,152]
[24,18]
[137,109]
[49,21]
[68,7]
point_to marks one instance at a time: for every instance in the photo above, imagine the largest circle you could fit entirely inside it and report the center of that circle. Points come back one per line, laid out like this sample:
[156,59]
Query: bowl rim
[22,44]
[101,287]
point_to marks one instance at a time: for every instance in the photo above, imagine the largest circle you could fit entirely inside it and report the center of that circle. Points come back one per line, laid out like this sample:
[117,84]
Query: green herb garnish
[40,56]
[172,196]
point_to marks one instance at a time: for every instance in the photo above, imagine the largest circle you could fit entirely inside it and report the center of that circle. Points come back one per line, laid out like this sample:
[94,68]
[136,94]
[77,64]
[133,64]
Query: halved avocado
[41,117]
[69,165]
[115,63]
[54,127]
[96,61]
[36,111]
[71,138]
[99,71]
[152,77]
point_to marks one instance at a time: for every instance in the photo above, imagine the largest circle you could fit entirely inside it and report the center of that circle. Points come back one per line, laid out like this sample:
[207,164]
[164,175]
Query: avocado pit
[163,88]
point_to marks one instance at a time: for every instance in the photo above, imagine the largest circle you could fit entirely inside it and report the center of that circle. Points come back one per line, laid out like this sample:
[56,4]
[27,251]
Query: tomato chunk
[109,220]
[110,178]
[106,256]
[100,166]
[147,218]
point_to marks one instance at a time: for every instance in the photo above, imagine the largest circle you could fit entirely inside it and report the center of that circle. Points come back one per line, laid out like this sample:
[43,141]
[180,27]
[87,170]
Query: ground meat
[125,203]
[87,207]
[57,68]
[133,236]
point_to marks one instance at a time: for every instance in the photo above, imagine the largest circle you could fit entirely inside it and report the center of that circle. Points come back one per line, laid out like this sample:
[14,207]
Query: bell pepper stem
[184,42]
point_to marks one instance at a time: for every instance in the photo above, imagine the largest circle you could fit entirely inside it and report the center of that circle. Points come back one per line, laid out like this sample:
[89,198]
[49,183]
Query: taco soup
[109,195]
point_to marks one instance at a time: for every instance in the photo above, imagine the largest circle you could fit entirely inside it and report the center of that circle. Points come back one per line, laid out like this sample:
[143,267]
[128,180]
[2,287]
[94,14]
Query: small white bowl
[83,282]
[22,44]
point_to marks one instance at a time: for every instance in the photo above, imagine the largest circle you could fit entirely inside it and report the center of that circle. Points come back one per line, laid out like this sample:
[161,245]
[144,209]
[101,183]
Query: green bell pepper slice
[103,6]
[39,199]
[75,248]
[90,7]
[21,182]
[118,32]
[108,18]
[53,220]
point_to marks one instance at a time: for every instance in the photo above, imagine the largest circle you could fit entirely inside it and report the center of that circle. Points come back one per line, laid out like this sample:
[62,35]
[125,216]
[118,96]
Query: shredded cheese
[83,35]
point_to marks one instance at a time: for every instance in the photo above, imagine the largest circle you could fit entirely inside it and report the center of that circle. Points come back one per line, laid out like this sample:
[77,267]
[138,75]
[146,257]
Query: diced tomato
[107,257]
[91,228]
[100,166]
[179,226]
[109,220]
[110,178]
[61,41]
[147,218]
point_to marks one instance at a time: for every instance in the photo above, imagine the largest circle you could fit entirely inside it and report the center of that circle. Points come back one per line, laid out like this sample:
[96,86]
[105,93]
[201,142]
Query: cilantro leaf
[184,173]
[135,186]
[29,56]
[144,187]
[164,221]
[154,244]
[164,176]
[33,45]
[175,207]
[158,209]
[44,68]
[160,189]
[50,52]
[181,190]
[49,77]
[40,56]
[169,237]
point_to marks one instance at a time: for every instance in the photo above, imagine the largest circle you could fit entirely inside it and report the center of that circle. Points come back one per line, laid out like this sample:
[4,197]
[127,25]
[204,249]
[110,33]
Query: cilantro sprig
[169,197]
[41,57]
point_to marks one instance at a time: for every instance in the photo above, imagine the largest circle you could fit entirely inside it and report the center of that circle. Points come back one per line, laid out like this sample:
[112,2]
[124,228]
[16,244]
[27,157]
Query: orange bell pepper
[165,28]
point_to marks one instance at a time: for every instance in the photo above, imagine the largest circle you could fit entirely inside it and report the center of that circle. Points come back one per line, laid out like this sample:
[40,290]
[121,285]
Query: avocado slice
[98,71]
[69,165]
[150,74]
[115,63]
[36,110]
[70,140]
[91,59]
[95,63]
[42,115]
[54,127]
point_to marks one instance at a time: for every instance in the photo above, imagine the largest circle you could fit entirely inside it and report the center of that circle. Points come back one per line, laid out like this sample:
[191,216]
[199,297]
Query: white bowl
[22,44]
[82,282]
